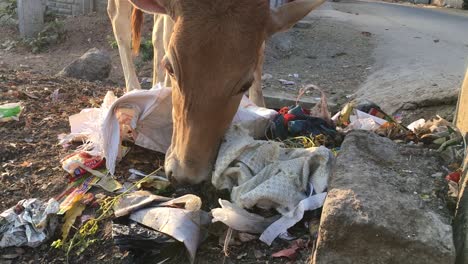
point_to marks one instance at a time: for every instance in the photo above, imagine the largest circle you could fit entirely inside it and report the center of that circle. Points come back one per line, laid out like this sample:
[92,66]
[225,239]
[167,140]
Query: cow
[210,52]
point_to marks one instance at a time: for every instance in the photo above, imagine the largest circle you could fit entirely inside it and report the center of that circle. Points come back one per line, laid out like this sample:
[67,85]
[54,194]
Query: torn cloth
[266,175]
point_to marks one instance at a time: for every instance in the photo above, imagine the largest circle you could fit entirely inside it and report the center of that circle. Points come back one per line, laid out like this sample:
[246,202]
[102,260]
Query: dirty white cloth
[266,175]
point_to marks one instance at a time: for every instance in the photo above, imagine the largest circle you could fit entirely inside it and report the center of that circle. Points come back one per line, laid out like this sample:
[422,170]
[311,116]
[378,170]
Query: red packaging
[454,176]
[72,163]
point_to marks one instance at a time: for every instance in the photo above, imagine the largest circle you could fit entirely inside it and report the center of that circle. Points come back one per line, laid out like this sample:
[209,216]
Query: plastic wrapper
[9,112]
[73,163]
[179,218]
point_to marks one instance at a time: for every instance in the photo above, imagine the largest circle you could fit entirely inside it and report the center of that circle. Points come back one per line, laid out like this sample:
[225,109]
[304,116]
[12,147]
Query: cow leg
[120,15]
[159,73]
[168,28]
[162,31]
[255,92]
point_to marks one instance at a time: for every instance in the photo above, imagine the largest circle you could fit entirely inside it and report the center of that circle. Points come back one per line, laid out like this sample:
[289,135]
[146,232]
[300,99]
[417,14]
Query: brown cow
[211,51]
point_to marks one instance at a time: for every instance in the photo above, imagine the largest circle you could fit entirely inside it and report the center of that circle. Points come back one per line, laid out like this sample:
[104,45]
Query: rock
[94,65]
[375,214]
[265,76]
[303,24]
[246,237]
[282,42]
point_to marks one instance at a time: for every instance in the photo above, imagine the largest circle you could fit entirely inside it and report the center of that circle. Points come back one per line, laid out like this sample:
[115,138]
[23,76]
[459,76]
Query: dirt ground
[30,168]
[329,54]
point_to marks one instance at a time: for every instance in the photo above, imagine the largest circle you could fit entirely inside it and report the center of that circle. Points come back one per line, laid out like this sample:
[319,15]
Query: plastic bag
[9,112]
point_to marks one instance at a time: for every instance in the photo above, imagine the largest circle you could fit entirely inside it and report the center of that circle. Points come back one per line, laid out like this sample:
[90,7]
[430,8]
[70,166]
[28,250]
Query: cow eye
[167,66]
[246,86]
[169,69]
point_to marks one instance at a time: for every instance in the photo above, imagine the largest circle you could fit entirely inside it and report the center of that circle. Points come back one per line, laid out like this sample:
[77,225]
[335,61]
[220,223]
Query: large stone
[92,66]
[383,206]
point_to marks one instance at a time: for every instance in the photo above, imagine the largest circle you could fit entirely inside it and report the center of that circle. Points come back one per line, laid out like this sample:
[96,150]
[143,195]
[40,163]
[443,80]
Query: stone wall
[76,7]
[70,7]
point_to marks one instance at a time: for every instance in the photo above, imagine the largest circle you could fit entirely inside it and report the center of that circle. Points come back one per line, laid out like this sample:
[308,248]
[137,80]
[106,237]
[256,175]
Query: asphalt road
[421,53]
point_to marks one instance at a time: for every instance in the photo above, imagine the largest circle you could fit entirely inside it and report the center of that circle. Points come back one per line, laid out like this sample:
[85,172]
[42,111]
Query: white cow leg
[168,29]
[255,92]
[120,15]
[159,72]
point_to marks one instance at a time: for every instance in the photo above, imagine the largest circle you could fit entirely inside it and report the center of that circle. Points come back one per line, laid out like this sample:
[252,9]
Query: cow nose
[172,171]
[171,178]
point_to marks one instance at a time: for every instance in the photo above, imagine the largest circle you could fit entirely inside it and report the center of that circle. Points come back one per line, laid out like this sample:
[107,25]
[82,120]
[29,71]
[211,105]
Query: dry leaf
[70,218]
[26,164]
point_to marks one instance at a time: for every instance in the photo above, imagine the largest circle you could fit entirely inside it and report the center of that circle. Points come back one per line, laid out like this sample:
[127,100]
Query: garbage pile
[274,164]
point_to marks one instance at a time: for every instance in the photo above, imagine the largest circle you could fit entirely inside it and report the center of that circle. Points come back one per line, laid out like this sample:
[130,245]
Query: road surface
[421,54]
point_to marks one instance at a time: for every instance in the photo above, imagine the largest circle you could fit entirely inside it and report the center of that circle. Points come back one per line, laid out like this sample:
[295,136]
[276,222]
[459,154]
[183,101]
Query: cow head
[211,58]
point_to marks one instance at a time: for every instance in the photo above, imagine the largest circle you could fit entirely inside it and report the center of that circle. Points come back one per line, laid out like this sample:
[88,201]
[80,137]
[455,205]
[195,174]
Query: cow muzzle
[182,173]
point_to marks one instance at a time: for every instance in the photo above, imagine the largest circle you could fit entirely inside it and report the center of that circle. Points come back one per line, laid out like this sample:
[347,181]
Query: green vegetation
[53,33]
[8,10]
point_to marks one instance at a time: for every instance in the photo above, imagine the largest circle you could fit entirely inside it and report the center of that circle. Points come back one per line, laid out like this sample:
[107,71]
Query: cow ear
[153,6]
[284,17]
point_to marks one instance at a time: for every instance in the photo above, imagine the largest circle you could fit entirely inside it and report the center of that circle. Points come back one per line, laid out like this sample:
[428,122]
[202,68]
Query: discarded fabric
[240,219]
[263,174]
[296,121]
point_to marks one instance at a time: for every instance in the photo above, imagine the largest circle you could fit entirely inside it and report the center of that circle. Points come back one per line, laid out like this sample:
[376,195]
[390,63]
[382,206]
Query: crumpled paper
[263,174]
[29,223]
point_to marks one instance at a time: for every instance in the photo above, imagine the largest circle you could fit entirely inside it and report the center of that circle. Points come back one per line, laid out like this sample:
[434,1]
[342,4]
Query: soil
[31,168]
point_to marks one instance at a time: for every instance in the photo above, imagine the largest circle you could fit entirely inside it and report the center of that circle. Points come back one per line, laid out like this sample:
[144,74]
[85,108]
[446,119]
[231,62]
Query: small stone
[242,255]
[438,175]
[303,24]
[245,237]
[258,254]
[266,76]
[286,82]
